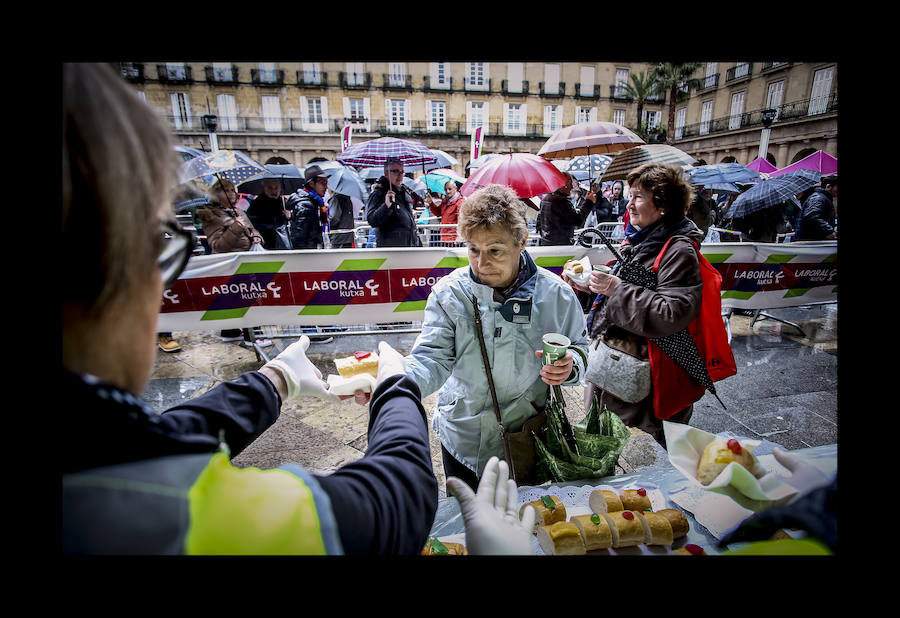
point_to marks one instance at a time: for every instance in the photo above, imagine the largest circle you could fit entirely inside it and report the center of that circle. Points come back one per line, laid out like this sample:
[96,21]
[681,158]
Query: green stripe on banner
[796,292]
[251,268]
[452,262]
[737,294]
[322,309]
[830,258]
[550,260]
[779,258]
[717,258]
[412,305]
[372,264]
[834,291]
[225,314]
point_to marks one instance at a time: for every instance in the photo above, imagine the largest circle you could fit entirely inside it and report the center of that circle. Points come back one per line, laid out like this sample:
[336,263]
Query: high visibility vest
[196,504]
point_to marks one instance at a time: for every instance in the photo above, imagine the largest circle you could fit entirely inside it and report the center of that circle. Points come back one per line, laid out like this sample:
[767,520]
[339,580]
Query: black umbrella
[290,176]
[772,192]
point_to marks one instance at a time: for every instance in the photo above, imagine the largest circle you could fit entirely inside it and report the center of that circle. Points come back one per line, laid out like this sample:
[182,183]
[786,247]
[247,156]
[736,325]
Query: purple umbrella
[375,152]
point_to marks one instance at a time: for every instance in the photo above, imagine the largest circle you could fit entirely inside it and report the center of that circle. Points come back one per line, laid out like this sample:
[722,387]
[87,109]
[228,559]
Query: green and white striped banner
[366,286]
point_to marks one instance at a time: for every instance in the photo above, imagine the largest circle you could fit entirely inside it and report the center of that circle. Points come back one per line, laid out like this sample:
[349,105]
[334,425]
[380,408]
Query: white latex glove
[300,375]
[390,362]
[491,516]
[805,477]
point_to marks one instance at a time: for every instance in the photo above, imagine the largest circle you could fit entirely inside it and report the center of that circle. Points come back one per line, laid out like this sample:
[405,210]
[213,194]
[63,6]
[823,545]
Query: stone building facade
[296,111]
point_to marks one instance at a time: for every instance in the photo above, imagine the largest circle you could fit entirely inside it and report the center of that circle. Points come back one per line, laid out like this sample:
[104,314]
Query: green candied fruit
[548,502]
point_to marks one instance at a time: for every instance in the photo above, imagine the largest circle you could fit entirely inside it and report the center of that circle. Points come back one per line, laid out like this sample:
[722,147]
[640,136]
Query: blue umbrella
[438,182]
[720,173]
[587,167]
[772,192]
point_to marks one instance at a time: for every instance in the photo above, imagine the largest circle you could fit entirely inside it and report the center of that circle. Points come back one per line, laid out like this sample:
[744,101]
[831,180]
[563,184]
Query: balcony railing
[590,93]
[521,90]
[354,80]
[708,82]
[797,110]
[261,77]
[218,75]
[619,92]
[546,89]
[175,75]
[741,71]
[132,71]
[445,87]
[309,78]
[396,82]
[474,86]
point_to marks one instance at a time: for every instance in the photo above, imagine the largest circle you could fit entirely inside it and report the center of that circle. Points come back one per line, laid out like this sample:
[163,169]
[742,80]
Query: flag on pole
[477,139]
[345,137]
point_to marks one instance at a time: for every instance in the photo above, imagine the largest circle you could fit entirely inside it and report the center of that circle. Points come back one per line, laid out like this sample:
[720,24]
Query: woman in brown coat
[626,314]
[228,229]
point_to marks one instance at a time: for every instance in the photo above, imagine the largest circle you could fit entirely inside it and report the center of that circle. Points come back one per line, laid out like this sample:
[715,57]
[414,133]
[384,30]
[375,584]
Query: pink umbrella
[761,165]
[819,161]
[527,174]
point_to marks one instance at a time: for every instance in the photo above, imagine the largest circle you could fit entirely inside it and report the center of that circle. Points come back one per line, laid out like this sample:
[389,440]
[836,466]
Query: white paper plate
[580,278]
[685,445]
[339,385]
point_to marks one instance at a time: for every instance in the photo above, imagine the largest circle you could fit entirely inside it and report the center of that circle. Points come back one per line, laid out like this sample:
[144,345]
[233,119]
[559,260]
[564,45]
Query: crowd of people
[131,475]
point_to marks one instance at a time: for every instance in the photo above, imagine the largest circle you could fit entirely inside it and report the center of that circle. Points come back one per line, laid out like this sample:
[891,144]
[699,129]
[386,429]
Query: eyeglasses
[178,245]
[400,171]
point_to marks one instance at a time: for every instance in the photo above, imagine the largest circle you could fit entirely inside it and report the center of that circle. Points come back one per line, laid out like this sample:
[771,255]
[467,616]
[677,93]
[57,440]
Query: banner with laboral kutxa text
[367,286]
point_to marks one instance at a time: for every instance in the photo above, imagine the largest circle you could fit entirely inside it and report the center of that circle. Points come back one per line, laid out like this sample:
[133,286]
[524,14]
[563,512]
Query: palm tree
[641,88]
[677,81]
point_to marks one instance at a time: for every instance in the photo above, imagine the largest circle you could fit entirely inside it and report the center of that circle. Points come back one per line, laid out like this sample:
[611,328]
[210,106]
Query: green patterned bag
[589,449]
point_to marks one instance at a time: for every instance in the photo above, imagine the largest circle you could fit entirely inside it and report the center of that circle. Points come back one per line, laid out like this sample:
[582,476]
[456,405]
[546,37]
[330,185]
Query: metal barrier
[429,234]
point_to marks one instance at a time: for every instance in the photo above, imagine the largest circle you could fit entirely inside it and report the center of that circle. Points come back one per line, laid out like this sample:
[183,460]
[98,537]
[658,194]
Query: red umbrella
[587,138]
[527,174]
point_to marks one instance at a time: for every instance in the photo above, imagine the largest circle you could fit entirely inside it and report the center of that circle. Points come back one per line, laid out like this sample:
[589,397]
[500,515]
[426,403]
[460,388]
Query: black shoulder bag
[518,446]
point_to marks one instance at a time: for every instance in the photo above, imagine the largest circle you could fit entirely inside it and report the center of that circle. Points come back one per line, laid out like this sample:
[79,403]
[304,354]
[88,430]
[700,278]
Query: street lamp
[210,122]
[768,117]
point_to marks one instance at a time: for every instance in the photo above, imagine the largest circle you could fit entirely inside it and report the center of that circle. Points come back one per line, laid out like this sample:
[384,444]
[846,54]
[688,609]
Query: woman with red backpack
[651,295]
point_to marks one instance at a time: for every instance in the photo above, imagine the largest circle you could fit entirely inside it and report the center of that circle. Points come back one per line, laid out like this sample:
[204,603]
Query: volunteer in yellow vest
[139,482]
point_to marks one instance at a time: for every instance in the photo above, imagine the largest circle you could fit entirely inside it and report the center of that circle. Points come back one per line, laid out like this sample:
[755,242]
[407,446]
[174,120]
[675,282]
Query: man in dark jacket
[306,207]
[389,209]
[817,219]
[267,212]
[558,217]
[340,217]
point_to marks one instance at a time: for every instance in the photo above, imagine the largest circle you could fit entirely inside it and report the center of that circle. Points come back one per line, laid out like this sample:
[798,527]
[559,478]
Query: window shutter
[304,112]
[324,111]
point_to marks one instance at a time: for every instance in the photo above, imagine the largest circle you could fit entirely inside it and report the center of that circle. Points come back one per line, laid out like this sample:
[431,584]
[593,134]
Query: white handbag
[620,374]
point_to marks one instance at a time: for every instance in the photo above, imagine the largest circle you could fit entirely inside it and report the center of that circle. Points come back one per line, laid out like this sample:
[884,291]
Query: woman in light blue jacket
[519,302]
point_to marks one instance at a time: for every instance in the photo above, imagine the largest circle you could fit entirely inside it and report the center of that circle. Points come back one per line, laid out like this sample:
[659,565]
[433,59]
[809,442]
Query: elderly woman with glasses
[136,481]
[518,303]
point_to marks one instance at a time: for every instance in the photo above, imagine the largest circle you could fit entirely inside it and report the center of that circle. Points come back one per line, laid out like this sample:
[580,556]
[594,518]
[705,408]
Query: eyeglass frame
[175,230]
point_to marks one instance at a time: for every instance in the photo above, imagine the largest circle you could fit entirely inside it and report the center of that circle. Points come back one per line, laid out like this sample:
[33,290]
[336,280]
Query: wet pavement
[785,392]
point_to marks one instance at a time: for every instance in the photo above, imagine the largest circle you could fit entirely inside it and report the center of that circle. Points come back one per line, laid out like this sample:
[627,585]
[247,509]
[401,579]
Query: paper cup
[555,347]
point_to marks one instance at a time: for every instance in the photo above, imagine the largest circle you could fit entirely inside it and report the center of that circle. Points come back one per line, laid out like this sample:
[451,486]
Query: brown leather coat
[227,229]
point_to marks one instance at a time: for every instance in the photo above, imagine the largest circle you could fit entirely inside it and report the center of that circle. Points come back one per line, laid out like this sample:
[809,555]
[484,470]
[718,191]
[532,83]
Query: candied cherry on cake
[734,446]
[361,355]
